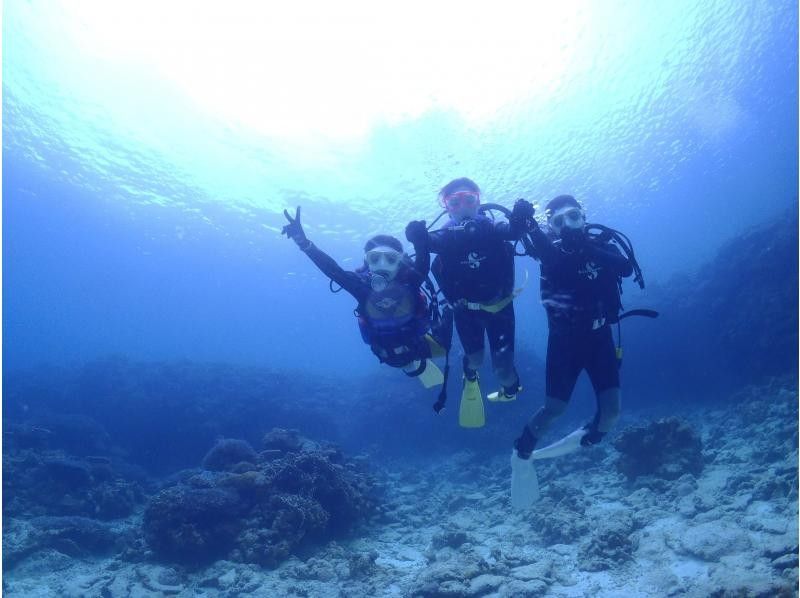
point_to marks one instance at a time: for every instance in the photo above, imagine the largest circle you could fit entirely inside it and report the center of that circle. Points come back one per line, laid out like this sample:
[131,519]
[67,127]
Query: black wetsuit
[394,320]
[474,267]
[580,294]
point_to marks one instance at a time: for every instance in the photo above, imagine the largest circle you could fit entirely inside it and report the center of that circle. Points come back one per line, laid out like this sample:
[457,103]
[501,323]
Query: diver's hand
[294,230]
[522,215]
[416,232]
[438,406]
[523,209]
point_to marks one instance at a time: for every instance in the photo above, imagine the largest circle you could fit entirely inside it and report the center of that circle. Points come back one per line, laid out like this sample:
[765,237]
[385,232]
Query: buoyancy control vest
[473,264]
[392,321]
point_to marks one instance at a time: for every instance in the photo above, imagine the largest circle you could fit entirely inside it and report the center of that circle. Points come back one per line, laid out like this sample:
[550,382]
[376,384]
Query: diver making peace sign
[402,325]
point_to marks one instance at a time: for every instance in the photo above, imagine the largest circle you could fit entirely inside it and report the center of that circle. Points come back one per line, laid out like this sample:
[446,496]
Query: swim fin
[431,376]
[437,350]
[524,483]
[569,444]
[470,411]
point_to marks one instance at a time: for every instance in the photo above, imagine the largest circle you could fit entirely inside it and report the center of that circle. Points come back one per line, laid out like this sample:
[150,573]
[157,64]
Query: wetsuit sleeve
[609,256]
[546,252]
[509,231]
[422,260]
[349,281]
[436,241]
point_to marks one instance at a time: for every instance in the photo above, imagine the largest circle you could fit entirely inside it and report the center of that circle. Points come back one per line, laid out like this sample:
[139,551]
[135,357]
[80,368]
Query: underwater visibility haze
[188,409]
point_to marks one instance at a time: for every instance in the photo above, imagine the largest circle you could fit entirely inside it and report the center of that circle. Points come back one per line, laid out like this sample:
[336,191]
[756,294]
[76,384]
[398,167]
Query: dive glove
[522,214]
[523,209]
[416,232]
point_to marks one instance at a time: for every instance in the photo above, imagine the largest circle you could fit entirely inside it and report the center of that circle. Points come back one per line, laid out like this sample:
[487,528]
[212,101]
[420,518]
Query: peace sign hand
[294,230]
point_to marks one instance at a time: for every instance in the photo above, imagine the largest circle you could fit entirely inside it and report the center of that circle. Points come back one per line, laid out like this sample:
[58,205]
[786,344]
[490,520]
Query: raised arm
[543,247]
[417,235]
[349,281]
[518,223]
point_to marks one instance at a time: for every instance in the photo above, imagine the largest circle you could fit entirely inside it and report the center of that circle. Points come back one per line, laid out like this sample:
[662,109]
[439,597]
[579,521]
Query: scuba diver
[393,312]
[474,268]
[582,267]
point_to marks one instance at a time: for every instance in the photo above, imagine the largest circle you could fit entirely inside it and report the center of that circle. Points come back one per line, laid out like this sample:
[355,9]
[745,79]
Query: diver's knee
[554,407]
[474,360]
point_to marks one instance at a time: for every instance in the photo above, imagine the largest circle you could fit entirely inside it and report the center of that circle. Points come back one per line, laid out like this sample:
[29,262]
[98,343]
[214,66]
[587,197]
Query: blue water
[140,223]
[149,152]
[149,226]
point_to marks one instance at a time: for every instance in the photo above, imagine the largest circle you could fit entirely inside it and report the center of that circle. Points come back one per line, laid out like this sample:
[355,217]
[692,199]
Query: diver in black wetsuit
[579,288]
[392,311]
[475,270]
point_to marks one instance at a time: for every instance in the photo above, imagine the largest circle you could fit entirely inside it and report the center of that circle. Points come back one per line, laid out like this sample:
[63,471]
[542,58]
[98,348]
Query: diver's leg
[500,330]
[562,367]
[471,331]
[603,370]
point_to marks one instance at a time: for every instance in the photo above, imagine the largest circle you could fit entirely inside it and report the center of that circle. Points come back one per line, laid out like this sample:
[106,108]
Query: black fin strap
[422,365]
[440,402]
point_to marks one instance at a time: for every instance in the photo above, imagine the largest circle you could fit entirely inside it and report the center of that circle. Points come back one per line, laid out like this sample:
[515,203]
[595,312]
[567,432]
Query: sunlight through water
[253,106]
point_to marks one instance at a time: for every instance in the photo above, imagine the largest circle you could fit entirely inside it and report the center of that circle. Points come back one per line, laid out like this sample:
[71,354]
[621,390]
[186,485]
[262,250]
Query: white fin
[569,444]
[524,483]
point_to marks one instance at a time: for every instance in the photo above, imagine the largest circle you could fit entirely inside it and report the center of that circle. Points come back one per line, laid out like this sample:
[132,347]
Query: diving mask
[462,204]
[383,262]
[459,199]
[569,216]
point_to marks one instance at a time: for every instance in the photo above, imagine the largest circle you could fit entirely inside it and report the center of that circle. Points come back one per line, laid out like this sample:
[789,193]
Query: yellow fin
[470,411]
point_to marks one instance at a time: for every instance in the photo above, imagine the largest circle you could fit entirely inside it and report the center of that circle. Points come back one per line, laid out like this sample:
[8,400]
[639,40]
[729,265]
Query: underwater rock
[666,449]
[736,315]
[341,491]
[192,526]
[533,588]
[287,441]
[26,436]
[362,564]
[454,577]
[485,584]
[77,537]
[712,540]
[258,516]
[227,454]
[610,544]
[74,433]
[65,471]
[539,570]
[450,538]
[56,484]
[562,517]
[163,580]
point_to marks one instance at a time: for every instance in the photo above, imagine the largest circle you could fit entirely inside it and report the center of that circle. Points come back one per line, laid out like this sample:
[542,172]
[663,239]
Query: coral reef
[50,482]
[286,441]
[77,537]
[261,515]
[731,323]
[192,526]
[666,449]
[229,454]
